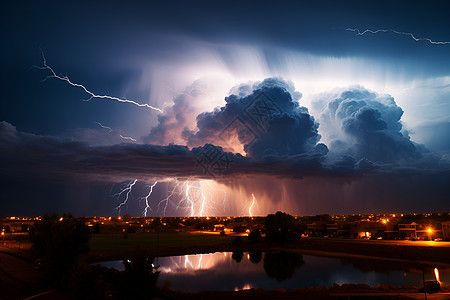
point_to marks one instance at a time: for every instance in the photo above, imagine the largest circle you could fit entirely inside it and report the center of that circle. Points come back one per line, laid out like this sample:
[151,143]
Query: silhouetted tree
[281,228]
[282,265]
[255,256]
[90,282]
[237,256]
[254,236]
[139,279]
[59,242]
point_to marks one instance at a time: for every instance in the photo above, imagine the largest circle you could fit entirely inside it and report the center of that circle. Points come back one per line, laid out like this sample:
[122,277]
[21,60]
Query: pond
[289,270]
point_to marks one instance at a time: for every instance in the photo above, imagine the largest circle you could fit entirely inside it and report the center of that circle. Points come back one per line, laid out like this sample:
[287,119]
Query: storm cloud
[364,124]
[264,117]
[283,154]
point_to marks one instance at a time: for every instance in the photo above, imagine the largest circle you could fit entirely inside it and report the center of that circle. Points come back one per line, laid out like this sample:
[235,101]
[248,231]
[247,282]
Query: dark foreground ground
[18,279]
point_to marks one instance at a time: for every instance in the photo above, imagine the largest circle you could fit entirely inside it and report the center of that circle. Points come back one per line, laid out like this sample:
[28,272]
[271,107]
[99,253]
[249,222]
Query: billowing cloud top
[264,117]
[363,124]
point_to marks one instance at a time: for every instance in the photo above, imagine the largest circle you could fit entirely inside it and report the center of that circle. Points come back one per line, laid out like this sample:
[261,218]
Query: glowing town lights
[384,221]
[60,219]
[436,274]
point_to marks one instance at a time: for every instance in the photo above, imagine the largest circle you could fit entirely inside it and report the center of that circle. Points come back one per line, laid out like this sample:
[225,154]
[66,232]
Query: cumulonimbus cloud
[361,128]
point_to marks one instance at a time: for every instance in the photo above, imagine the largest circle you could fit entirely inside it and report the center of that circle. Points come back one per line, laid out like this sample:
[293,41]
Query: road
[394,242]
[18,279]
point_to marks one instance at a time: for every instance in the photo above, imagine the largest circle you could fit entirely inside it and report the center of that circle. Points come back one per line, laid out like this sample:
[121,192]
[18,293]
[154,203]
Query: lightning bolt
[166,200]
[92,95]
[127,138]
[104,127]
[187,261]
[127,190]
[251,206]
[202,208]
[188,198]
[147,205]
[220,190]
[192,196]
[358,32]
[200,262]
[111,130]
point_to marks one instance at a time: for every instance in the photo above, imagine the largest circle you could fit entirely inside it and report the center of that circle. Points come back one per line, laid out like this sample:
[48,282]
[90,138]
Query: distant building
[424,231]
[407,231]
[446,230]
[371,229]
[316,229]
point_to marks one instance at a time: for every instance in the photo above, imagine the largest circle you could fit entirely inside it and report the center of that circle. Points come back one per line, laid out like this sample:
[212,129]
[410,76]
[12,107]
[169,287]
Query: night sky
[283,100]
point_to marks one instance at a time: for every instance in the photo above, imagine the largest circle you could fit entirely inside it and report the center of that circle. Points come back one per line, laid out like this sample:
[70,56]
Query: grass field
[116,242]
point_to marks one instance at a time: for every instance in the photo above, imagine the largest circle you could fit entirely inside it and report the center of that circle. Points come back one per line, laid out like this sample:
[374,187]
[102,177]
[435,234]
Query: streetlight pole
[424,288]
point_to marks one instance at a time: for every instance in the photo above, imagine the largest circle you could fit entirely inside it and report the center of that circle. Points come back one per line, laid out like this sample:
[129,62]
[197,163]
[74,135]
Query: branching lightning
[92,95]
[202,208]
[111,130]
[251,206]
[147,204]
[188,199]
[127,190]
[192,196]
[358,32]
[166,200]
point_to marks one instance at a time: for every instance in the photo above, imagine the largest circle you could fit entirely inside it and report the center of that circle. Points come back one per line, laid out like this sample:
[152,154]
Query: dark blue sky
[192,54]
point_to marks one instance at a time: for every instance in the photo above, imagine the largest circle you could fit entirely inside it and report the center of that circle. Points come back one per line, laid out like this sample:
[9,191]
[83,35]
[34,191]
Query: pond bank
[399,251]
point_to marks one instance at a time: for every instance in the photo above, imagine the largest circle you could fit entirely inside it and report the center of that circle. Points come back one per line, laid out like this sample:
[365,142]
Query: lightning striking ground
[251,206]
[191,196]
[127,190]
[92,95]
[147,205]
[358,32]
[166,200]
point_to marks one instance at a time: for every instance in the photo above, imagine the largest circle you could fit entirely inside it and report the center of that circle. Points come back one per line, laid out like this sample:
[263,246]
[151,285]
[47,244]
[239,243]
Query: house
[316,229]
[370,229]
[422,231]
[407,231]
[446,230]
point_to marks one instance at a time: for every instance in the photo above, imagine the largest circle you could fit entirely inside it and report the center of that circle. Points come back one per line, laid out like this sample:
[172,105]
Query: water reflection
[282,265]
[237,256]
[255,256]
[273,270]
